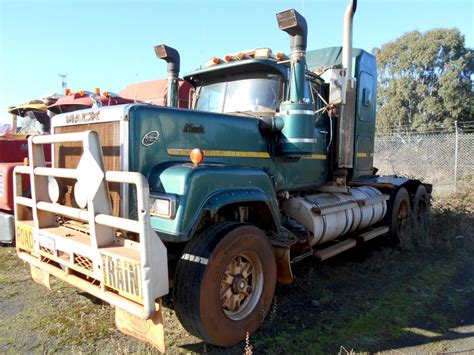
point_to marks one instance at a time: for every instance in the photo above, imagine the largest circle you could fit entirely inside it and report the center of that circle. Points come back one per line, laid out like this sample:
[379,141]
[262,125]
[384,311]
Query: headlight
[57,190]
[163,206]
[80,195]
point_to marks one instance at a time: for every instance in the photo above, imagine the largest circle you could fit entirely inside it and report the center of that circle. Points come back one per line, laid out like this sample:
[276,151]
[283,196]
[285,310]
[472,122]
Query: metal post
[14,124]
[456,137]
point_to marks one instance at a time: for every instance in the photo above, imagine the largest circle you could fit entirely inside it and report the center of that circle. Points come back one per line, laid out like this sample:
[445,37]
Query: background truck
[36,116]
[156,92]
[273,164]
[13,151]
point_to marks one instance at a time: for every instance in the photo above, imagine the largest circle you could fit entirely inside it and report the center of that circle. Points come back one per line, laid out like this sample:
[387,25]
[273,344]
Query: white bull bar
[129,275]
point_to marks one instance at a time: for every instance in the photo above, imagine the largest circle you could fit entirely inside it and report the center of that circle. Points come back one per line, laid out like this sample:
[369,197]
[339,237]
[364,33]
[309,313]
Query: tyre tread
[188,276]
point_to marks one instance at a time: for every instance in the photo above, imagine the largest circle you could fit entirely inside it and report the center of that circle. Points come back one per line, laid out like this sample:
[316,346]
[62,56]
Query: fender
[390,183]
[207,188]
[237,195]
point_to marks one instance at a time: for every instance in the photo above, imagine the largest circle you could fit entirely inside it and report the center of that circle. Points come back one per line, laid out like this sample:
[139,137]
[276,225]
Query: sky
[109,43]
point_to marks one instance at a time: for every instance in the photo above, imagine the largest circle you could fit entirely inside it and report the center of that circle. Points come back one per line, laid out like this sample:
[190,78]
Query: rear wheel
[421,204]
[224,283]
[401,213]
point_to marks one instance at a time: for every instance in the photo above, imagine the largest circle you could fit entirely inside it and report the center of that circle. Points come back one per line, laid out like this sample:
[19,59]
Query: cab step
[375,232]
[347,244]
[335,249]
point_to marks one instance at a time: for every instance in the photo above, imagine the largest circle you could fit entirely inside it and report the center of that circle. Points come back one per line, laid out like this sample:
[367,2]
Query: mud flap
[284,272]
[40,276]
[150,330]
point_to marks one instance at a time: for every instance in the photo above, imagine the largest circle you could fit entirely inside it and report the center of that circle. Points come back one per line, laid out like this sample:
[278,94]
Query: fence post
[456,137]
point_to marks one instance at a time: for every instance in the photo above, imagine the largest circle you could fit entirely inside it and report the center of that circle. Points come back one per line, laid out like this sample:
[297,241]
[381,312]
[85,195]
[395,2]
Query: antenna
[63,80]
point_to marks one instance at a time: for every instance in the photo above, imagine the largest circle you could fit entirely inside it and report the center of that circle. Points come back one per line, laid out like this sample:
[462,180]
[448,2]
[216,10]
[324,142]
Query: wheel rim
[241,285]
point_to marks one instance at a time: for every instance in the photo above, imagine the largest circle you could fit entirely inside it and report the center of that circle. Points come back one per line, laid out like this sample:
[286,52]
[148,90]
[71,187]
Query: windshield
[35,122]
[260,93]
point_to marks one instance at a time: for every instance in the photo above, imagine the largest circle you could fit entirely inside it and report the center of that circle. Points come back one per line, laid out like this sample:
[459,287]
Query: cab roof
[201,75]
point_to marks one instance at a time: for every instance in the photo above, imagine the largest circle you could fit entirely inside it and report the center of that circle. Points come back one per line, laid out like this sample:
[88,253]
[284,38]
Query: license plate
[24,236]
[46,241]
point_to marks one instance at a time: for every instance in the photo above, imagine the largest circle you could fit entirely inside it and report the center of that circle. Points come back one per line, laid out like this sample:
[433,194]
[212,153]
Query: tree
[424,81]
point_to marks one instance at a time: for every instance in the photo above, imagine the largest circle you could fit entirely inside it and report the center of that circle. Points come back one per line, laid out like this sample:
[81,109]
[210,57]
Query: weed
[273,310]
[343,350]
[449,225]
[248,350]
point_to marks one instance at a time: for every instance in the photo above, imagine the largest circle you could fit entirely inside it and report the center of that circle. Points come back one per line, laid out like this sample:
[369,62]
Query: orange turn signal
[228,58]
[67,92]
[97,91]
[196,156]
[216,60]
[105,93]
[81,92]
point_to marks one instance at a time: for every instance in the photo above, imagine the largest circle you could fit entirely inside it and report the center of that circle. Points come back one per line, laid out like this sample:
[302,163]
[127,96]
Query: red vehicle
[80,100]
[13,152]
[156,92]
[36,120]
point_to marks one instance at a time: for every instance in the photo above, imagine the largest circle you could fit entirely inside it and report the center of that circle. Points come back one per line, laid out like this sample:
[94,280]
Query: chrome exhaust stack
[345,147]
[347,41]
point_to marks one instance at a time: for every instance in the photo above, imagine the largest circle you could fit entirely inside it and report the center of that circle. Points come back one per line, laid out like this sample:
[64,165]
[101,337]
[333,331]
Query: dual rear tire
[408,213]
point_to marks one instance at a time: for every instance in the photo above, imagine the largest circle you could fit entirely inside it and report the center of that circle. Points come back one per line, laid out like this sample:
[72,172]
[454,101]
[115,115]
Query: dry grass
[449,225]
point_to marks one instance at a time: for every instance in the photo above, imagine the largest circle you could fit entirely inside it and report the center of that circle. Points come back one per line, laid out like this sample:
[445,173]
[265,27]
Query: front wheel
[224,283]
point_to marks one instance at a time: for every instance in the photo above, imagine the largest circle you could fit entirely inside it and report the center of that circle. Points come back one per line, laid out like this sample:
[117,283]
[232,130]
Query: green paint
[237,155]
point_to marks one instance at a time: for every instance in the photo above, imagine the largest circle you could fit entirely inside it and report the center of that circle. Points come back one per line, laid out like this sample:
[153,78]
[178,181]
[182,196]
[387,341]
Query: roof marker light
[211,62]
[281,56]
[241,56]
[263,53]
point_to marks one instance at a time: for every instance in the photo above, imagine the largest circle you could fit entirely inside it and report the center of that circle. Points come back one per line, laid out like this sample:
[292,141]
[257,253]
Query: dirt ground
[414,298]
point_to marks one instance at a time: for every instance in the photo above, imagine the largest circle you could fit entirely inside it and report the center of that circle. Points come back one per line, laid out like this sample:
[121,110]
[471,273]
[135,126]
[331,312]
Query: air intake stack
[298,111]
[171,56]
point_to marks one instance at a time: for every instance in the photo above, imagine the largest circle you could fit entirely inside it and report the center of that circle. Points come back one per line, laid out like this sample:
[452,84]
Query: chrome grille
[67,155]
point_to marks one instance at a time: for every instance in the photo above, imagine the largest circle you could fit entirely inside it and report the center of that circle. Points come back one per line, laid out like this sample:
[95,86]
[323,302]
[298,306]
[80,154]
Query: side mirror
[335,78]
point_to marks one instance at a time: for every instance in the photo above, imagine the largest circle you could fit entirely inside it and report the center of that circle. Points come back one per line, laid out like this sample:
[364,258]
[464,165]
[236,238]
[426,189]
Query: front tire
[224,283]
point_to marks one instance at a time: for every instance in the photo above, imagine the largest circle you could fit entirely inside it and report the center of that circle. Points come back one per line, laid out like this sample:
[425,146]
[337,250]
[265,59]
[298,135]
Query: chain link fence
[442,159]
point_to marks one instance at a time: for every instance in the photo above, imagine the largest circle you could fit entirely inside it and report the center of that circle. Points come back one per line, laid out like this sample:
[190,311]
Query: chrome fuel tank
[330,215]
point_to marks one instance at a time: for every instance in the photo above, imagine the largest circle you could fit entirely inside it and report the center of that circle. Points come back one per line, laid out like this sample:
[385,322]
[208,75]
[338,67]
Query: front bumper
[87,249]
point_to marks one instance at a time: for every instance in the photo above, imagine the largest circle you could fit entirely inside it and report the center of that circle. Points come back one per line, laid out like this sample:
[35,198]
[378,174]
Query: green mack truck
[272,164]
